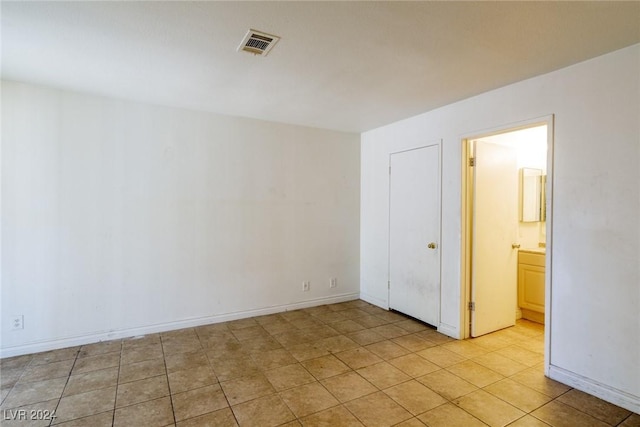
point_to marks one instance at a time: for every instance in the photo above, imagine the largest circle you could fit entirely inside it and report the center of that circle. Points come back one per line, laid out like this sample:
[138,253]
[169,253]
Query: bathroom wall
[531,151]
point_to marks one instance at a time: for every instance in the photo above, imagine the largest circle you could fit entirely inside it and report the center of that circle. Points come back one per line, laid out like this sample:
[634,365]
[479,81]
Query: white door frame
[467,218]
[437,143]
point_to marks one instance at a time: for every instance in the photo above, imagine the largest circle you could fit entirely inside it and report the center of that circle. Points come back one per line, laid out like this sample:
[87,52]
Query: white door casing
[494,231]
[414,233]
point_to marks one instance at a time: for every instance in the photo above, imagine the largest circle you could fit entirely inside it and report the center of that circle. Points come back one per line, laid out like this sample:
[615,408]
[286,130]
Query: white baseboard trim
[449,330]
[595,388]
[36,347]
[375,301]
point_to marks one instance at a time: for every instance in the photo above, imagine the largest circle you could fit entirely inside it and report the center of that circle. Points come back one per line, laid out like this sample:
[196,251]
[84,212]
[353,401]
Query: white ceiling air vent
[258,43]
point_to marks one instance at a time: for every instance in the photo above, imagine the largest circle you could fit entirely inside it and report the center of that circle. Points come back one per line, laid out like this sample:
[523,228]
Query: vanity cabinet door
[531,287]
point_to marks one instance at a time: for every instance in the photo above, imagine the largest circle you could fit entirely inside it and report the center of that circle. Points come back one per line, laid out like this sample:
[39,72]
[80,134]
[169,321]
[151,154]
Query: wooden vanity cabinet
[531,267]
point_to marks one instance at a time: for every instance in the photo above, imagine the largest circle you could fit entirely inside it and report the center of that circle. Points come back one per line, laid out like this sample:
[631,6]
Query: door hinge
[389,284]
[389,170]
[472,161]
[472,306]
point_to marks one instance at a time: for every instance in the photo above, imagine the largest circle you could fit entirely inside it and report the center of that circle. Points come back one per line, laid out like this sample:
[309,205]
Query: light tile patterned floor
[348,364]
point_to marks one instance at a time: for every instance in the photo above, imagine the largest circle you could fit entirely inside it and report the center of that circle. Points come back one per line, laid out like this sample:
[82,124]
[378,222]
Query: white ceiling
[349,66]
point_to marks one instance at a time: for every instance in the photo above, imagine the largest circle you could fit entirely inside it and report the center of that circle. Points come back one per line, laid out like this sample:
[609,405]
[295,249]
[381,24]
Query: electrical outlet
[333,282]
[306,286]
[17,322]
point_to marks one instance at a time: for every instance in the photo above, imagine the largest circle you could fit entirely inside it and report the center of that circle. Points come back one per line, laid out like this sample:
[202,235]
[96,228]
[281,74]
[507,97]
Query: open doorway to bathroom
[507,197]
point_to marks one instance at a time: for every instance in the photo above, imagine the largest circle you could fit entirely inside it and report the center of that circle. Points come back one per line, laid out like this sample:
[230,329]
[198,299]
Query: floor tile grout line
[166,373]
[17,381]
[219,384]
[55,411]
[467,412]
[531,414]
[573,407]
[627,417]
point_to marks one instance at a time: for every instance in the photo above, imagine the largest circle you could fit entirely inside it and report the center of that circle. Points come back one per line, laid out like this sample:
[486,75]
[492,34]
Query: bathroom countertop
[534,250]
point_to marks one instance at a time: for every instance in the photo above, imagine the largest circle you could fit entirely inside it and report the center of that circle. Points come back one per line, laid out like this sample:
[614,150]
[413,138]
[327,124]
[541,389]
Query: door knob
[515,245]
[432,245]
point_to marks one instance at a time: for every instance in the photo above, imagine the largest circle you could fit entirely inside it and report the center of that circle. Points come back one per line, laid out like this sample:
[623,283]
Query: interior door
[414,233]
[494,232]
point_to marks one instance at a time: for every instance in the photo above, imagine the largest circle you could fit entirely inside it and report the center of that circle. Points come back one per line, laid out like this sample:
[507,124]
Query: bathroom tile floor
[347,364]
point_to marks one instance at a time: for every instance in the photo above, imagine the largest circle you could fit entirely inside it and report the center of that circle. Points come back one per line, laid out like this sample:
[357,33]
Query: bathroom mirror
[532,204]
